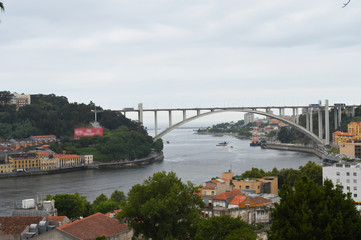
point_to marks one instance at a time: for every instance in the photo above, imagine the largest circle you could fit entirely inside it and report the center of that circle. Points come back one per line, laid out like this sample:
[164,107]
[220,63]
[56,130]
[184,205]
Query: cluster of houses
[20,144]
[250,199]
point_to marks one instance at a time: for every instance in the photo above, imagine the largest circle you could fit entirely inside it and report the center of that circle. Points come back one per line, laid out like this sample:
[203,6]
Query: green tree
[71,205]
[284,135]
[224,228]
[311,211]
[2,6]
[105,207]
[163,207]
[5,96]
[118,196]
[158,145]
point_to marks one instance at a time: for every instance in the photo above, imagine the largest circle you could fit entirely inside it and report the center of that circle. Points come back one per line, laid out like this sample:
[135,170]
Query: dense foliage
[74,205]
[288,175]
[163,207]
[312,211]
[224,228]
[118,144]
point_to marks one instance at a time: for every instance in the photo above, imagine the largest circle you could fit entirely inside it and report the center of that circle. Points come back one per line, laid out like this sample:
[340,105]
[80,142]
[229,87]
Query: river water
[192,157]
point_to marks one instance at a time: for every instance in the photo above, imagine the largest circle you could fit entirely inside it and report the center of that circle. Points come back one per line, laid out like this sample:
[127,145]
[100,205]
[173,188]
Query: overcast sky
[188,53]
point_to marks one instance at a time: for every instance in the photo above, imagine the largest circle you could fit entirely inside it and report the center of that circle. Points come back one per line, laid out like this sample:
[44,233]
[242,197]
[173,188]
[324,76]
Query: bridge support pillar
[307,120]
[327,123]
[170,118]
[311,120]
[198,112]
[282,112]
[320,132]
[140,113]
[184,115]
[156,123]
[297,117]
[335,117]
[294,114]
[339,115]
[353,112]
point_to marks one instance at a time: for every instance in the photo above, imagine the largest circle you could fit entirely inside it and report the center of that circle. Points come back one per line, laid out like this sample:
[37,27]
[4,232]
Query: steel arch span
[311,135]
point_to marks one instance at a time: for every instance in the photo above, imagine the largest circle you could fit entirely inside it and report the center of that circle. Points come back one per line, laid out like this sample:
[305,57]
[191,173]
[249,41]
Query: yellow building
[341,137]
[47,161]
[26,161]
[7,167]
[68,160]
[261,185]
[354,127]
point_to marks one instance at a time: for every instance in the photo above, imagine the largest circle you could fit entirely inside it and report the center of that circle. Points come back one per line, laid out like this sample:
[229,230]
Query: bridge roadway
[323,137]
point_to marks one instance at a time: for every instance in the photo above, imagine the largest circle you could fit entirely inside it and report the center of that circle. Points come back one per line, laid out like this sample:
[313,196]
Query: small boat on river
[255,142]
[222,144]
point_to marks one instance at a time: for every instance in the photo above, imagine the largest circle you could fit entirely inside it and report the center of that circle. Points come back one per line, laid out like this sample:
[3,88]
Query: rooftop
[93,226]
[228,195]
[16,225]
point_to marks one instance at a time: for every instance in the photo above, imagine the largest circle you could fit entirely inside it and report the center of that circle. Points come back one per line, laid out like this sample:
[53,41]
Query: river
[193,157]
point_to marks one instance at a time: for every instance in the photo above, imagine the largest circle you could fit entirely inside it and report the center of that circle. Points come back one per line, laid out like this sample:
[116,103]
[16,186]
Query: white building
[248,118]
[346,174]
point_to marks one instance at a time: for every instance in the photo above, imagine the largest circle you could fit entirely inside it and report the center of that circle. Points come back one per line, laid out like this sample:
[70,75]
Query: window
[347,173]
[348,181]
[355,181]
[355,195]
[247,187]
[338,181]
[348,188]
[347,165]
[338,173]
[355,174]
[355,188]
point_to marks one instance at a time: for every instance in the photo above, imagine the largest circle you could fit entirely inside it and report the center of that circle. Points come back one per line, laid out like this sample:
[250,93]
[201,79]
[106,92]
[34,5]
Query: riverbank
[295,147]
[154,157]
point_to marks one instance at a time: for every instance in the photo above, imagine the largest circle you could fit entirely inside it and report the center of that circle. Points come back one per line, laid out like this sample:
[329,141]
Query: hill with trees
[54,115]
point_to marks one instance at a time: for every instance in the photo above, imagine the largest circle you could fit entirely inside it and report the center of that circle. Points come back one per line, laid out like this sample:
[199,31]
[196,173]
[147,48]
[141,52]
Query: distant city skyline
[168,54]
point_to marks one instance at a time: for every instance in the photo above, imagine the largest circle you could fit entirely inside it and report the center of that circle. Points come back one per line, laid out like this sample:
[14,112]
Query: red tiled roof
[93,226]
[257,200]
[344,134]
[209,187]
[238,199]
[228,195]
[42,153]
[16,225]
[66,156]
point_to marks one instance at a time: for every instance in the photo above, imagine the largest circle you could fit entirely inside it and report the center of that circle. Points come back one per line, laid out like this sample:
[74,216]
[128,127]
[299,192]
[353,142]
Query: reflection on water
[193,157]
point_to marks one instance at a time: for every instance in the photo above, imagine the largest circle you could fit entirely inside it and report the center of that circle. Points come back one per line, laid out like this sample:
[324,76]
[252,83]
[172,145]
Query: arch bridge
[322,138]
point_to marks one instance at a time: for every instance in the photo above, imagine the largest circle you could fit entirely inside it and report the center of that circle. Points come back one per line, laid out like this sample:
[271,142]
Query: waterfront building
[346,174]
[6,167]
[68,160]
[87,159]
[30,207]
[47,161]
[24,161]
[43,139]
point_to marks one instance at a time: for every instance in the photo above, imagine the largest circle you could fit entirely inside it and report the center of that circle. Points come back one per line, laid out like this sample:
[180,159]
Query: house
[254,202]
[261,185]
[223,199]
[90,228]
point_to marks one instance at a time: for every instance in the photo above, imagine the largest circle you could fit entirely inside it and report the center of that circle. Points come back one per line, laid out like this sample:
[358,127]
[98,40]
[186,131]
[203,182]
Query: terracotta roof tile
[16,225]
[228,195]
[238,199]
[209,187]
[93,226]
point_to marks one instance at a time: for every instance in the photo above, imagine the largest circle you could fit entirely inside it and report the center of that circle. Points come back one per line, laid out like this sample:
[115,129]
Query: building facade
[346,174]
[6,168]
[24,161]
[68,160]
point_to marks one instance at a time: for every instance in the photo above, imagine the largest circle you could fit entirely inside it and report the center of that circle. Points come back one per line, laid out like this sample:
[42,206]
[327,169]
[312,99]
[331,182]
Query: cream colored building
[21,100]
[87,159]
[68,160]
[7,167]
[47,161]
[351,149]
